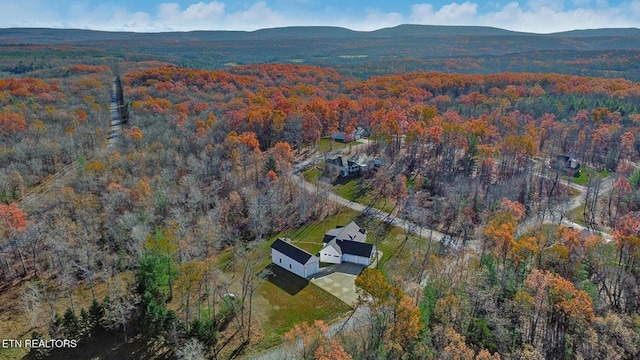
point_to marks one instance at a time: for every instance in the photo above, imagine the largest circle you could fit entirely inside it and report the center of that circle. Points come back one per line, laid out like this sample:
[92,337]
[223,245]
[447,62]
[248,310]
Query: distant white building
[342,136]
[354,165]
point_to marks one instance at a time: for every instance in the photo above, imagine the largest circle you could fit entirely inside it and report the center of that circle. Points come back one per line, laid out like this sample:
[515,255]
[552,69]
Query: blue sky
[541,16]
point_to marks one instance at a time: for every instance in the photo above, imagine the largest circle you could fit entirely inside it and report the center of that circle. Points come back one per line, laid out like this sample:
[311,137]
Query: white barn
[294,259]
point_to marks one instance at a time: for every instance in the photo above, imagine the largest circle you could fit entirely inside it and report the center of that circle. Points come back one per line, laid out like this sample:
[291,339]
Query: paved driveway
[339,281]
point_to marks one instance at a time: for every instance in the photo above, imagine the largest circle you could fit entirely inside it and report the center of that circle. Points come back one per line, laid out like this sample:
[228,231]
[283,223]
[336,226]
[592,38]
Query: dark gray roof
[355,248]
[336,160]
[291,251]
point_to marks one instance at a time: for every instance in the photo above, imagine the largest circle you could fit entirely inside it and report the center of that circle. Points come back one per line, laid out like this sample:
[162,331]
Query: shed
[294,259]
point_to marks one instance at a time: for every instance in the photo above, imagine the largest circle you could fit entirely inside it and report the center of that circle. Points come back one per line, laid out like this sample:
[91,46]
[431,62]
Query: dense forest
[160,241]
[610,53]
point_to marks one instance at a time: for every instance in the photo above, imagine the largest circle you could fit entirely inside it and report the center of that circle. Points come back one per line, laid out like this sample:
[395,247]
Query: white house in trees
[347,244]
[356,164]
[294,259]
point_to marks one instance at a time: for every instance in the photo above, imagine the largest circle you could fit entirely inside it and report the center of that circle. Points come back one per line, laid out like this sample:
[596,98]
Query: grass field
[577,215]
[326,145]
[312,174]
[309,237]
[288,299]
[293,300]
[587,174]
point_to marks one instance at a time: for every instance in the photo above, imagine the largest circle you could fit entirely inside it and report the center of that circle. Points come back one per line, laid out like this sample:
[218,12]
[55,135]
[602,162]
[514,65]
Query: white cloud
[213,16]
[171,16]
[542,16]
[422,12]
[203,10]
[455,12]
[376,20]
[451,14]
[555,5]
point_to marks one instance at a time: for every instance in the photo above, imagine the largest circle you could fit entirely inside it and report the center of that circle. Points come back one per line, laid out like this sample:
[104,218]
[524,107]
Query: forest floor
[15,316]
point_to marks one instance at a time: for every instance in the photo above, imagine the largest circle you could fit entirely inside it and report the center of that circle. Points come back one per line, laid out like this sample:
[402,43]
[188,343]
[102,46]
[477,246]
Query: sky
[539,16]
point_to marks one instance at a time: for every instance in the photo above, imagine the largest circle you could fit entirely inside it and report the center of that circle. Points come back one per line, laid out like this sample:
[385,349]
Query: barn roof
[356,248]
[291,251]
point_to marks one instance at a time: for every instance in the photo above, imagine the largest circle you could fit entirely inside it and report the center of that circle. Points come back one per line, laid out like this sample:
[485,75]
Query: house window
[289,266]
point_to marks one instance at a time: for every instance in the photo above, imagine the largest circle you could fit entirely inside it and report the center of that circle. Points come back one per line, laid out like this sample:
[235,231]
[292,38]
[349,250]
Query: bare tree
[191,350]
[120,309]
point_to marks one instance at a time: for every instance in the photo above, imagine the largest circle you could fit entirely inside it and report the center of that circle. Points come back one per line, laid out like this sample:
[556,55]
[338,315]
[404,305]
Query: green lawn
[308,304]
[326,145]
[312,174]
[347,188]
[288,299]
[309,237]
[587,174]
[350,188]
[577,215]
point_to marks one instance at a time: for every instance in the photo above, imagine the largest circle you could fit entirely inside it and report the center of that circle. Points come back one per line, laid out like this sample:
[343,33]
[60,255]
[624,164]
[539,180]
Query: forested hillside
[159,243]
[451,49]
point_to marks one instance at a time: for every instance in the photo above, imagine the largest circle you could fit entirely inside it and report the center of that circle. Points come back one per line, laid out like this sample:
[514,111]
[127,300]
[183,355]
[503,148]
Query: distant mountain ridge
[466,49]
[43,36]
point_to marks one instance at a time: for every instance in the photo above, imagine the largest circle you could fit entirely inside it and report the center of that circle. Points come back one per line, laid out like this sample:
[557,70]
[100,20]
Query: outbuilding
[293,258]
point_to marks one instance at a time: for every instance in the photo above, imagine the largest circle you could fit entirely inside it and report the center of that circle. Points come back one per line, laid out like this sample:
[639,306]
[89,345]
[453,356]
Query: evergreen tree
[96,314]
[70,325]
[270,165]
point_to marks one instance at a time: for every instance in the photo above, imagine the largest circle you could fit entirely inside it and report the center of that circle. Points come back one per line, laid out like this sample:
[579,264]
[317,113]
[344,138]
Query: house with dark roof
[293,258]
[347,244]
[568,164]
[337,165]
[343,136]
[356,164]
[339,251]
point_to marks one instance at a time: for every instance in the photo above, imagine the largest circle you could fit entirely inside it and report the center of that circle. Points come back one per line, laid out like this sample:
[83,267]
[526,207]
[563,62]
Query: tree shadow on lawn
[285,280]
[342,180]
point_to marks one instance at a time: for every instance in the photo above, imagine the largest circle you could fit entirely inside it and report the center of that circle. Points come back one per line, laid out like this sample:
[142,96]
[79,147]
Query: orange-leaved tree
[12,221]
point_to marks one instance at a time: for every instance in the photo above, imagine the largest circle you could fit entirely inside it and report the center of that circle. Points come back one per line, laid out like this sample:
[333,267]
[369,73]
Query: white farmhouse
[294,259]
[339,251]
[347,244]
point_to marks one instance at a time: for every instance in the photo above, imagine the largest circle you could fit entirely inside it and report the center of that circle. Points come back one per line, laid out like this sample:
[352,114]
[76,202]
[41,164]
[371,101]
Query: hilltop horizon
[610,31]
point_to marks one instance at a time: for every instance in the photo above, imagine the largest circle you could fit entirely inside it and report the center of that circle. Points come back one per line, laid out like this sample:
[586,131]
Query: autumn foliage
[12,219]
[202,173]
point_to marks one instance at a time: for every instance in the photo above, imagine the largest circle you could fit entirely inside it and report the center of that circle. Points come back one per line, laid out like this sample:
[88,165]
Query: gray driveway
[339,281]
